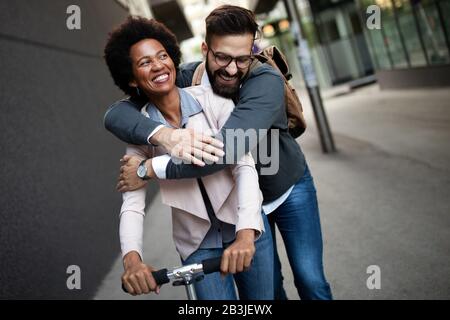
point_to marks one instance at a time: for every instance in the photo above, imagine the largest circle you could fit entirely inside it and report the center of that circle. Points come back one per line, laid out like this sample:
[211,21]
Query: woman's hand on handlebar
[137,278]
[238,256]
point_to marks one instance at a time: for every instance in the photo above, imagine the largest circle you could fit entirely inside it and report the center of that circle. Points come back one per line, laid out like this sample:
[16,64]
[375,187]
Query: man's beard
[229,92]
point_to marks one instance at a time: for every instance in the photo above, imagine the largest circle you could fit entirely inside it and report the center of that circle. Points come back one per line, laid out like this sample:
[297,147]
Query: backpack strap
[198,74]
[294,111]
[257,62]
[279,59]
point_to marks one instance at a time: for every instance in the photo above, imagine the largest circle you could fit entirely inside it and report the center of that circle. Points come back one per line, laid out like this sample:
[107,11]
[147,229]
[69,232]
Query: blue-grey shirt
[220,232]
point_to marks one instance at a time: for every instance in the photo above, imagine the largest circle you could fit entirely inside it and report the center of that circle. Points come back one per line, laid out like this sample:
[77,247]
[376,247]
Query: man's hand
[189,146]
[238,256]
[137,278]
[128,178]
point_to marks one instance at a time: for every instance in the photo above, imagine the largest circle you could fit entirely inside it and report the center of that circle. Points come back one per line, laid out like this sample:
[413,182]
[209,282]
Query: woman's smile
[161,78]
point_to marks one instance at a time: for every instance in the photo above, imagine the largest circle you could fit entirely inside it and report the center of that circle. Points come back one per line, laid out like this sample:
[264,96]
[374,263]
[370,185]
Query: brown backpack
[272,56]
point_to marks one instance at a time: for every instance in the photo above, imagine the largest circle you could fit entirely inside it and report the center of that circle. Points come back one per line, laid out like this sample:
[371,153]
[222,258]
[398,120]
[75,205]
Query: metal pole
[189,285]
[307,68]
[190,290]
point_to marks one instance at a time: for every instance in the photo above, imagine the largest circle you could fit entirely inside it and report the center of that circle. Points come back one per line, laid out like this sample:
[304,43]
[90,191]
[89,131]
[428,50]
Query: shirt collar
[189,107]
[205,79]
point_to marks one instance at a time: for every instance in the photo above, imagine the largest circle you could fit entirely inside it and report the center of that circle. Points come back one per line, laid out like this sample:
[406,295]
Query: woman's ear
[204,49]
[133,84]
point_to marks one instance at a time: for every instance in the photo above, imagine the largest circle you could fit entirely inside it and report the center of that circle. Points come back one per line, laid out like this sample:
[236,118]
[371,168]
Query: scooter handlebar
[211,265]
[208,266]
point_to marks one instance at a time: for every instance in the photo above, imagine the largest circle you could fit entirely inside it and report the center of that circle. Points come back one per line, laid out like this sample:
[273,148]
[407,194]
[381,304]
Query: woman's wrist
[246,234]
[131,258]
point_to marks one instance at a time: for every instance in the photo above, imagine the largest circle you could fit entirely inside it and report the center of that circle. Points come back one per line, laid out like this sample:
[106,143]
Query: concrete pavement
[384,197]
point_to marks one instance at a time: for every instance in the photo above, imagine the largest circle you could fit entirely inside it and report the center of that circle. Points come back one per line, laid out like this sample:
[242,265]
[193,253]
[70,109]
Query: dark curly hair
[133,30]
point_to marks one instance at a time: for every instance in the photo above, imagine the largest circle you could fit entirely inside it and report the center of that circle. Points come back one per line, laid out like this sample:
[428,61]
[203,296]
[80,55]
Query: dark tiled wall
[59,165]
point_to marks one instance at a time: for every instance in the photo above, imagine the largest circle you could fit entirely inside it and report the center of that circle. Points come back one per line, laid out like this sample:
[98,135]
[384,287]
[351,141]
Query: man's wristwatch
[142,171]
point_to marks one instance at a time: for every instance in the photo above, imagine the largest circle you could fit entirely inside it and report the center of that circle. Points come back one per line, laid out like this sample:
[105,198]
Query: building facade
[404,43]
[411,46]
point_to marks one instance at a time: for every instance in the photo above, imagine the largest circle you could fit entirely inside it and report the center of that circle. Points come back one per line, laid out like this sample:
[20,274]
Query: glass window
[375,40]
[445,9]
[391,34]
[329,31]
[432,32]
[409,31]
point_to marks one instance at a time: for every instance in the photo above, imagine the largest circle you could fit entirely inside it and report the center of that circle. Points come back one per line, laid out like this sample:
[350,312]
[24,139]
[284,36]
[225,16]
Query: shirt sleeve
[159,165]
[249,196]
[132,213]
[131,232]
[153,133]
[126,122]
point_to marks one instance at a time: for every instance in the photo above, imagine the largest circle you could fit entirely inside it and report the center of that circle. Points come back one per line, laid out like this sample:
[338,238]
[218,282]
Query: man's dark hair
[120,41]
[230,20]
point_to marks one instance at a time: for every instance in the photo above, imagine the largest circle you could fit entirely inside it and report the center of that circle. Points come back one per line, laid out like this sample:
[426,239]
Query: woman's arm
[131,222]
[132,212]
[238,256]
[137,277]
[249,195]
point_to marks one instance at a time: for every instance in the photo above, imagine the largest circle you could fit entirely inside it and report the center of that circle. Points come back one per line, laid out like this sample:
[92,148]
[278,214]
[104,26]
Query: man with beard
[289,194]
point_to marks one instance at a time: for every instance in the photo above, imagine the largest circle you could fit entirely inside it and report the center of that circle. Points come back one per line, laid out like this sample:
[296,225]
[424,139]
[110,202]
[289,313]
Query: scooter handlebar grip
[160,277]
[211,265]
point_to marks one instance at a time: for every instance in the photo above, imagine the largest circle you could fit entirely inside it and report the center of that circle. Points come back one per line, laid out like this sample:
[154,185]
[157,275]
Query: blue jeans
[253,284]
[298,221]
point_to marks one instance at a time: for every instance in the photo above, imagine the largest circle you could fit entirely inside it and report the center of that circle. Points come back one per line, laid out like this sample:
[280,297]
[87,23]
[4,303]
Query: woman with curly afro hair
[219,215]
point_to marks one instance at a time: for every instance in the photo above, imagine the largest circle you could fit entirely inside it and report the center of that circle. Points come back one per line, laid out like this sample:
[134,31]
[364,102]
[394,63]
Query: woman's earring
[138,93]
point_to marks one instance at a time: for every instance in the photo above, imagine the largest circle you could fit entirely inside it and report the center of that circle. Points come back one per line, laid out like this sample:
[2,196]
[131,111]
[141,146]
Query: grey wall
[58,169]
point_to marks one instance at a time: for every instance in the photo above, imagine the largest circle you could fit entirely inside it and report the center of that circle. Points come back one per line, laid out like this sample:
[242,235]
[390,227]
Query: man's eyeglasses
[223,60]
